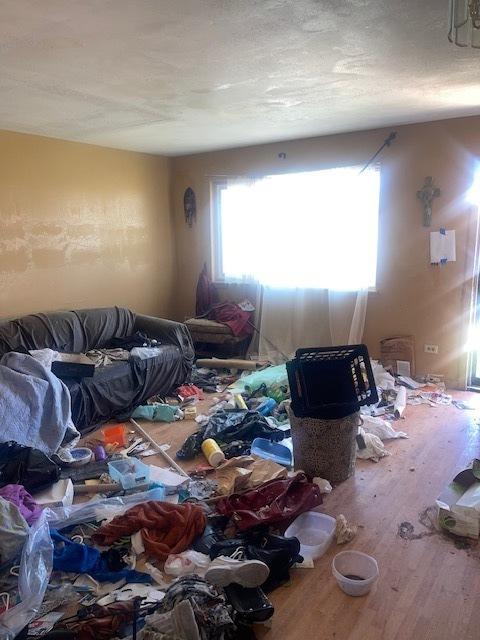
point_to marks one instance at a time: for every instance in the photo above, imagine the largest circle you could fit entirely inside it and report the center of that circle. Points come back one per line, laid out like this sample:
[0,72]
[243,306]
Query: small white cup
[355,563]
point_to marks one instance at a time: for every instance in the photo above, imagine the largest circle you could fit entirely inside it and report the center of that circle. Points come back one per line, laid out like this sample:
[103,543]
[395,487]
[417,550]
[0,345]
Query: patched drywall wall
[412,297]
[82,226]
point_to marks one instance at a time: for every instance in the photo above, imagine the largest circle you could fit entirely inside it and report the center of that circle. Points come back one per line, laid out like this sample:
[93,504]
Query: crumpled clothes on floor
[205,379]
[234,317]
[157,412]
[13,530]
[177,624]
[226,427]
[103,623]
[73,557]
[210,608]
[138,339]
[166,528]
[105,357]
[27,506]
[270,503]
[27,467]
[200,489]
[189,391]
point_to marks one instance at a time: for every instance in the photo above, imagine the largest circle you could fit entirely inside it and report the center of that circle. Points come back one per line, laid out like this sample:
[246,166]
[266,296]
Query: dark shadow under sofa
[114,390]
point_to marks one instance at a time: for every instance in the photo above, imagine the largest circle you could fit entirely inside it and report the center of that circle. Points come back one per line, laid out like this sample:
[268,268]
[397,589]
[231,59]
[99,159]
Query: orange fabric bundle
[166,528]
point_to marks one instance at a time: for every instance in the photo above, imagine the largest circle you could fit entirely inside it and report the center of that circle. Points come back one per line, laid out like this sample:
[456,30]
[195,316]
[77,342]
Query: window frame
[216,187]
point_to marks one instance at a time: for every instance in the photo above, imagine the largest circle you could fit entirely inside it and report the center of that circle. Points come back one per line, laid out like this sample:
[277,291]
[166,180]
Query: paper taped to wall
[442,247]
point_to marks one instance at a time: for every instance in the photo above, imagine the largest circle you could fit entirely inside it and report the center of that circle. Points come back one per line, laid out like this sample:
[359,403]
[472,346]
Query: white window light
[304,230]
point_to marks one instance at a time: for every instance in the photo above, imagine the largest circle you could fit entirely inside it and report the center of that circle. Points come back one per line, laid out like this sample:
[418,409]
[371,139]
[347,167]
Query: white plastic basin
[355,572]
[315,532]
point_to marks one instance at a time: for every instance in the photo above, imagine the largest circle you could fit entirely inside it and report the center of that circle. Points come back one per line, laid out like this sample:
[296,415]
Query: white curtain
[295,318]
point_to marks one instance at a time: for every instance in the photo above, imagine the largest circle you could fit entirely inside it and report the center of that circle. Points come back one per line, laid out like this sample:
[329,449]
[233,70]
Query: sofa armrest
[167,332]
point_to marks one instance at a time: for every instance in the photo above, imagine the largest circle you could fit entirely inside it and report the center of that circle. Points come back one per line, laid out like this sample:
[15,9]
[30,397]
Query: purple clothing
[27,506]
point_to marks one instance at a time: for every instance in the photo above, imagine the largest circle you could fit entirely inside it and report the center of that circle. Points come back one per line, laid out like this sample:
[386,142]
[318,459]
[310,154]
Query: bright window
[314,229]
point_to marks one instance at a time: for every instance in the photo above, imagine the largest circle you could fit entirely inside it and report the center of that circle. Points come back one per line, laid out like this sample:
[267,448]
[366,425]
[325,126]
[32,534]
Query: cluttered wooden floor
[428,588]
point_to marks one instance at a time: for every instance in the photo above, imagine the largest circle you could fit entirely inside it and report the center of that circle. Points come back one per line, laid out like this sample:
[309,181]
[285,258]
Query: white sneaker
[248,573]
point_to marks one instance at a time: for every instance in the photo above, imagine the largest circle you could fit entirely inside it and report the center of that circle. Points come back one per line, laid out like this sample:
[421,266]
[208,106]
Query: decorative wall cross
[426,195]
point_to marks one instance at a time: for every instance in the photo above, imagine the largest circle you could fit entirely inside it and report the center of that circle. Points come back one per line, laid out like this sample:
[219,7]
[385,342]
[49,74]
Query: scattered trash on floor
[429,518]
[370,447]
[161,552]
[344,531]
[406,530]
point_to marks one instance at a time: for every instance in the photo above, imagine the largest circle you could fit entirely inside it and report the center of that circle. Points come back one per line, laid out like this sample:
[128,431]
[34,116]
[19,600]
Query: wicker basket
[325,448]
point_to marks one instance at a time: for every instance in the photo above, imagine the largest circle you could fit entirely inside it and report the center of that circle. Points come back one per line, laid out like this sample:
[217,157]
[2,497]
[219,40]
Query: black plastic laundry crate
[331,382]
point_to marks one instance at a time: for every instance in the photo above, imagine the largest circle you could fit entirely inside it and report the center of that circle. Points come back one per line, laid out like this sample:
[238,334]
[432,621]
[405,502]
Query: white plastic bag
[380,428]
[37,553]
[182,564]
[374,447]
[383,379]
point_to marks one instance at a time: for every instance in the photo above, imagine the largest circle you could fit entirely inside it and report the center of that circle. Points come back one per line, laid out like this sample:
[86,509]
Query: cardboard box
[399,349]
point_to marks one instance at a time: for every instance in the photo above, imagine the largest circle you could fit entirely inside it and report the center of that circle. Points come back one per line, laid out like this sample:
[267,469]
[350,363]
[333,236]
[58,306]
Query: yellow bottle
[212,452]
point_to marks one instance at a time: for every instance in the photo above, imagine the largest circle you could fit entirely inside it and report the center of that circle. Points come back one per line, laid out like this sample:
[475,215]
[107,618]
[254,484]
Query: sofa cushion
[67,331]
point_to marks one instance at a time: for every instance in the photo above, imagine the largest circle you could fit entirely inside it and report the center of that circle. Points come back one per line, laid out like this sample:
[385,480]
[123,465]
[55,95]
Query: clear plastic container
[315,532]
[355,572]
[130,472]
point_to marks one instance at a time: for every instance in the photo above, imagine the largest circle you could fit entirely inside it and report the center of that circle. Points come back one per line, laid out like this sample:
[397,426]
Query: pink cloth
[27,506]
[230,314]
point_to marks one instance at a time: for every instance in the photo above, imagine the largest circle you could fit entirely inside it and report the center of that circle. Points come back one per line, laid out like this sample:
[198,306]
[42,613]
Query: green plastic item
[156,412]
[275,380]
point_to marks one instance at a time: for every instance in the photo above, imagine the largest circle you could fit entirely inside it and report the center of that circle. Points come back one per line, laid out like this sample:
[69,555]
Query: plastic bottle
[212,452]
[266,407]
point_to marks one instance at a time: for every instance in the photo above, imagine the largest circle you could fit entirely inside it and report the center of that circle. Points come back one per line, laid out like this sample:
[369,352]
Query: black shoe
[278,561]
[250,605]
[212,535]
[270,541]
[227,547]
[278,553]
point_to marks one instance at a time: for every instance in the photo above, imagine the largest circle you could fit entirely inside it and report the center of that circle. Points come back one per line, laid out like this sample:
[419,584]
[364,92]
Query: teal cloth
[156,412]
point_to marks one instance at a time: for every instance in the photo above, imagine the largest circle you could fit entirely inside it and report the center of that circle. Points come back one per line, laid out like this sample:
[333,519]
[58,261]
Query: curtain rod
[392,136]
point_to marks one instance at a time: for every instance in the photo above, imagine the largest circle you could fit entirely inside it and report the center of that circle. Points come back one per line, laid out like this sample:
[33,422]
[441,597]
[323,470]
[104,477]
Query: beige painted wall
[413,297]
[83,226]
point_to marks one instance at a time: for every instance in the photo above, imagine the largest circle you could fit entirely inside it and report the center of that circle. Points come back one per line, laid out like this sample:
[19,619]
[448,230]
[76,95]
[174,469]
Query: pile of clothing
[223,559]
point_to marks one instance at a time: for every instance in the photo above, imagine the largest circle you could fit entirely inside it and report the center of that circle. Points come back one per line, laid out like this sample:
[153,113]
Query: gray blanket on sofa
[34,404]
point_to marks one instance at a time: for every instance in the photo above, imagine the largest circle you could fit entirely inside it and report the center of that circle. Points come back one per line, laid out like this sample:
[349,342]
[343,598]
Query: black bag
[26,466]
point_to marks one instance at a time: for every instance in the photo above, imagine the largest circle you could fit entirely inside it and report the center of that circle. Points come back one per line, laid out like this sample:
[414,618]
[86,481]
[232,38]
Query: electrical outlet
[431,348]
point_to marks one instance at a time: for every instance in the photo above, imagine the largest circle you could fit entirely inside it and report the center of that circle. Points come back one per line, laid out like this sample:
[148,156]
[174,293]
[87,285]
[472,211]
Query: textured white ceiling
[181,76]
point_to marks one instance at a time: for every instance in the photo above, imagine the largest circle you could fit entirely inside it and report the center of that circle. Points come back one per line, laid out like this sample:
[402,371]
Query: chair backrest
[66,331]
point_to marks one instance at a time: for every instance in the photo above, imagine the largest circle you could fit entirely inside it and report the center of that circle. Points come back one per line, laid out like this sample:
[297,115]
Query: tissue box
[459,510]
[59,494]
